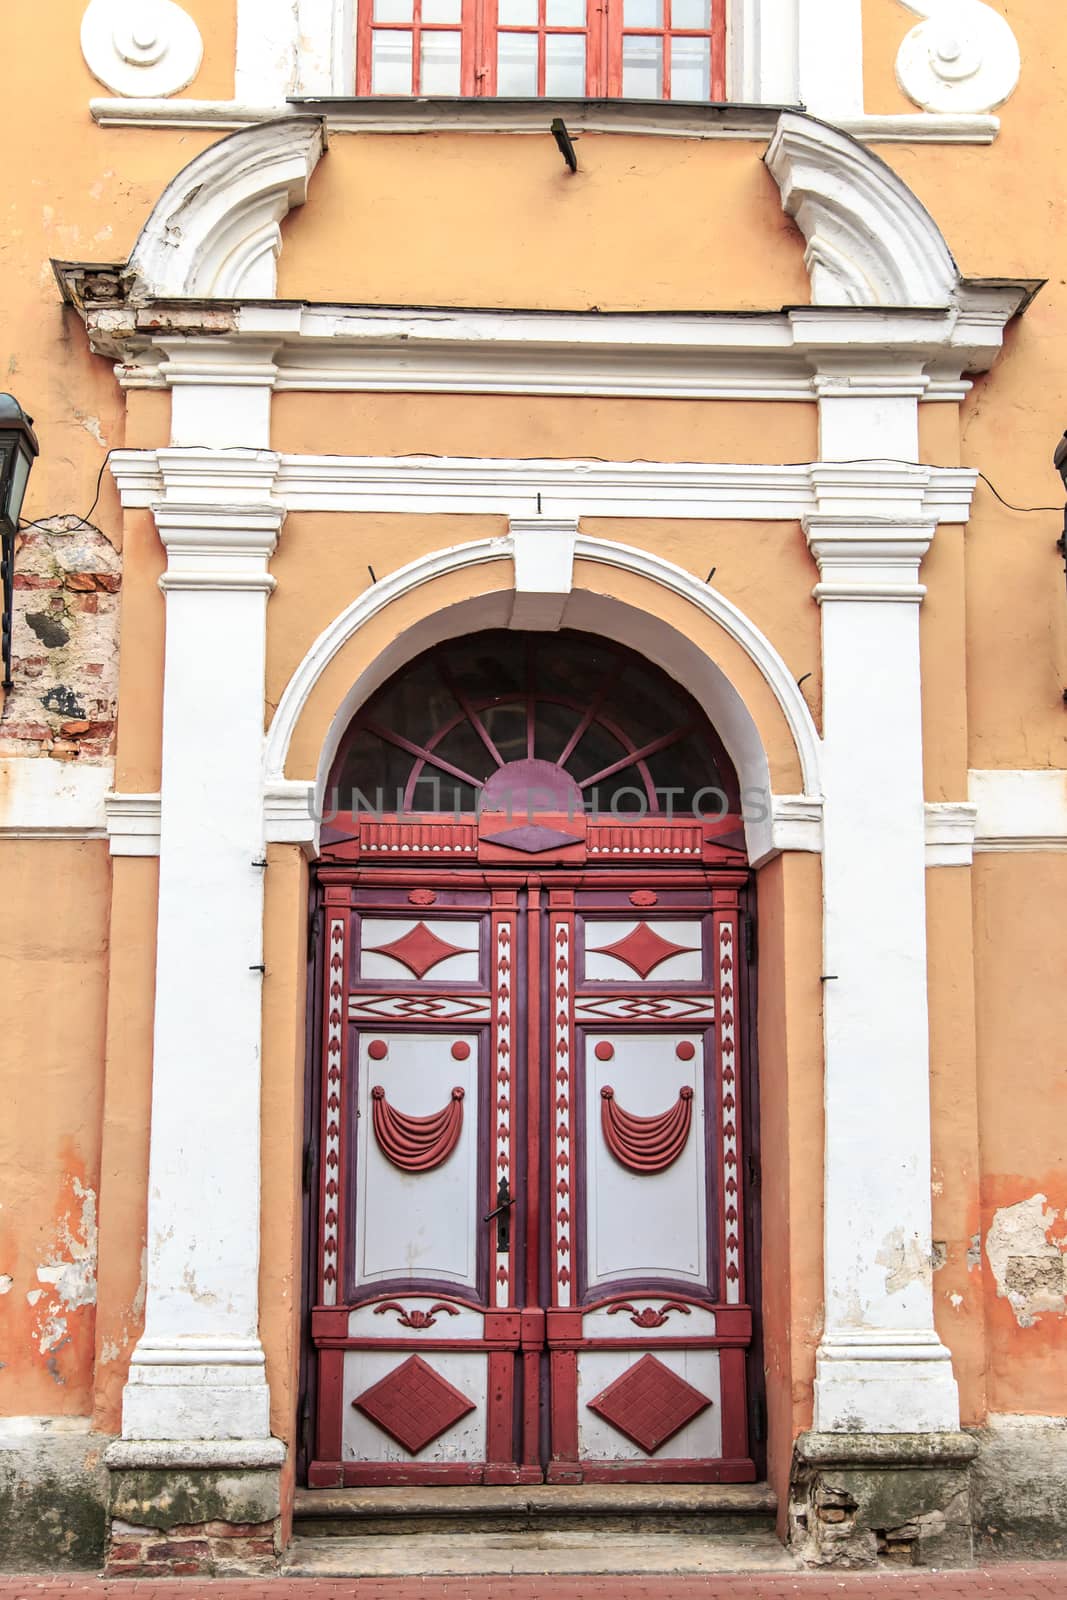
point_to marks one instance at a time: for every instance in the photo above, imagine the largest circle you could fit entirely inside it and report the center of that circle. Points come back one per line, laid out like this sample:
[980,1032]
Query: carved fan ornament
[416,1144]
[646,1144]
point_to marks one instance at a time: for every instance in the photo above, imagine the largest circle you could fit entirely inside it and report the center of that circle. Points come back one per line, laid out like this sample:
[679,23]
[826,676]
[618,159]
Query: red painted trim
[533,1096]
[563,1376]
[500,1410]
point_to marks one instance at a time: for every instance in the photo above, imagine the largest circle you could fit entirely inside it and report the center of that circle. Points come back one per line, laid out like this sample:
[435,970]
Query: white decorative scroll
[963,57]
[141,47]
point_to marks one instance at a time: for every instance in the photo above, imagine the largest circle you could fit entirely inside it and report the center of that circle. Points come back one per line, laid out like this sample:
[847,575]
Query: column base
[882,1382]
[194,1507]
[197,1389]
[864,1499]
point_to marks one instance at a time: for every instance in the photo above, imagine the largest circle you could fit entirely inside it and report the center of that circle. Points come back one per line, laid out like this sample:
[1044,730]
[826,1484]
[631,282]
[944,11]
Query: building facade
[533,808]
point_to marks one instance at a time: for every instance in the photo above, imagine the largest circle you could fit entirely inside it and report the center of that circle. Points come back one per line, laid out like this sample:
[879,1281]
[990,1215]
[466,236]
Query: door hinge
[748,928]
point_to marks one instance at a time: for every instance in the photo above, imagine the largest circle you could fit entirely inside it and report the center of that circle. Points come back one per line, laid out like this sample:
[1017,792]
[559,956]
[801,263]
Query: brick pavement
[1037,1581]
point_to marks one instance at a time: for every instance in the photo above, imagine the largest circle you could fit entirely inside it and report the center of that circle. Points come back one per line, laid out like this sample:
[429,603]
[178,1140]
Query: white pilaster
[881,1367]
[198,1371]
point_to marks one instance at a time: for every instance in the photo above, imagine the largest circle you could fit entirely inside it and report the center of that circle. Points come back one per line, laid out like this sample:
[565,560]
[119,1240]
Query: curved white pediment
[870,240]
[215,233]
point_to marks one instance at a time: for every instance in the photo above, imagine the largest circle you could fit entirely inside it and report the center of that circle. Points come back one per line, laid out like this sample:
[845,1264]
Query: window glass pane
[391,63]
[440,63]
[565,64]
[555,724]
[642,68]
[516,13]
[462,748]
[392,10]
[565,13]
[642,13]
[516,63]
[596,749]
[443,11]
[690,69]
[506,726]
[685,13]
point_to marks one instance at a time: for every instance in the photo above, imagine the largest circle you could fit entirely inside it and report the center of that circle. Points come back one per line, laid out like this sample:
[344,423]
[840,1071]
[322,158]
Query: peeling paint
[905,1261]
[6,1281]
[70,1277]
[1030,1268]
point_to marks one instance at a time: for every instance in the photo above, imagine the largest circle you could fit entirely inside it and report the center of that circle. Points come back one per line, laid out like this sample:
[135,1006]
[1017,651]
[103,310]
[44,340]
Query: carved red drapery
[416,1144]
[646,1144]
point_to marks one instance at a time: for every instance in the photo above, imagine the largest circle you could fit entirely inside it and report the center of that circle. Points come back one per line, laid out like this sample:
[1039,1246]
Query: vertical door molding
[881,1367]
[198,1371]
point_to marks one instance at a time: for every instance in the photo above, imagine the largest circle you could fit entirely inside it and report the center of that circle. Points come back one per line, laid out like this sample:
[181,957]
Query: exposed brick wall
[193,1549]
[68,579]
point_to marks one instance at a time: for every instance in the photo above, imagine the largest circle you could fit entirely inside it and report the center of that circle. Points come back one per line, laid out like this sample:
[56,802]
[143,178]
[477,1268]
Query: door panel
[531,1115]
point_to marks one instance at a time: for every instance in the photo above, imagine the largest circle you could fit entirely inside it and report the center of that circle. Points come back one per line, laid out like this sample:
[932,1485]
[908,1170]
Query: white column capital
[874,560]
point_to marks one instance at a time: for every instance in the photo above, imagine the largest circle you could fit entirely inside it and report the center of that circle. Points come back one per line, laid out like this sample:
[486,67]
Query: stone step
[479,1554]
[586,1510]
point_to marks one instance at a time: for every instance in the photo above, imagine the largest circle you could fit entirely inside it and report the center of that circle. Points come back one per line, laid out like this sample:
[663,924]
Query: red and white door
[531,1262]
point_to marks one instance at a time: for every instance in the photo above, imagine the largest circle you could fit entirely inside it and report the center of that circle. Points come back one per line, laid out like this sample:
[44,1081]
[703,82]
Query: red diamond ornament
[418,950]
[413,1404]
[649,1403]
[643,949]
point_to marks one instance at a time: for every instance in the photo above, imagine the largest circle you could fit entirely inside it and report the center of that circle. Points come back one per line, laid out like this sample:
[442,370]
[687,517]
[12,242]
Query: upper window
[562,49]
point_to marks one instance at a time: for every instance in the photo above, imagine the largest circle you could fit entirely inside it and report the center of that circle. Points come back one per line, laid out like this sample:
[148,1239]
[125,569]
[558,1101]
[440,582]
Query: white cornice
[799,354]
[568,488]
[500,116]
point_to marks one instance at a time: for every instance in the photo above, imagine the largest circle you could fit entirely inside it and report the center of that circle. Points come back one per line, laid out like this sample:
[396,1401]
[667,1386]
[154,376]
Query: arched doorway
[532,1099]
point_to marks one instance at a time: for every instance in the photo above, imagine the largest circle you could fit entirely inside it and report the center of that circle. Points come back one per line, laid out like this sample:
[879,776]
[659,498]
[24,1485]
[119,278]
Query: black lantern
[18,449]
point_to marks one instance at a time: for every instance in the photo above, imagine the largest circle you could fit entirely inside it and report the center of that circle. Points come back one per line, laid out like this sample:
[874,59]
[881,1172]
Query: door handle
[504,1201]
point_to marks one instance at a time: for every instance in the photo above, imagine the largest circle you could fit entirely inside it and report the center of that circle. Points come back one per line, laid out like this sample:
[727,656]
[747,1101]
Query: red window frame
[604,35]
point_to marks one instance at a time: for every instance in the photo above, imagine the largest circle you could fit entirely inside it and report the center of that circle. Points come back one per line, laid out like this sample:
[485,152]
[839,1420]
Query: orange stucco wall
[53,973]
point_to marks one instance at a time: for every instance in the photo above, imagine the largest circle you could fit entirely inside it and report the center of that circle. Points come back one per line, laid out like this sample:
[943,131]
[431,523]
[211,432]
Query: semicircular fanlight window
[624,738]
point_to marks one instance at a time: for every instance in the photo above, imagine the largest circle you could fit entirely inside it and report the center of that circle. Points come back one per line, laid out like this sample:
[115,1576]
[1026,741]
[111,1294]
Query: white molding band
[500,117]
[42,798]
[575,488]
[805,354]
[1019,810]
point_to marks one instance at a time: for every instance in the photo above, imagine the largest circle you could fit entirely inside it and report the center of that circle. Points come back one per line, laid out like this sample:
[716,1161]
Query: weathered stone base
[53,1494]
[857,1500]
[193,1508]
[1020,1488]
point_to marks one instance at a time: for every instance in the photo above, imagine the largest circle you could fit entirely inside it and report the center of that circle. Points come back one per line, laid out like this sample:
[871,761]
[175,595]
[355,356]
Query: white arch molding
[293,806]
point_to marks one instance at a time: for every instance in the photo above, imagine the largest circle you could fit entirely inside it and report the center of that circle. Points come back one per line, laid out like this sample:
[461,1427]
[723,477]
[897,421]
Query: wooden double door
[531,1182]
